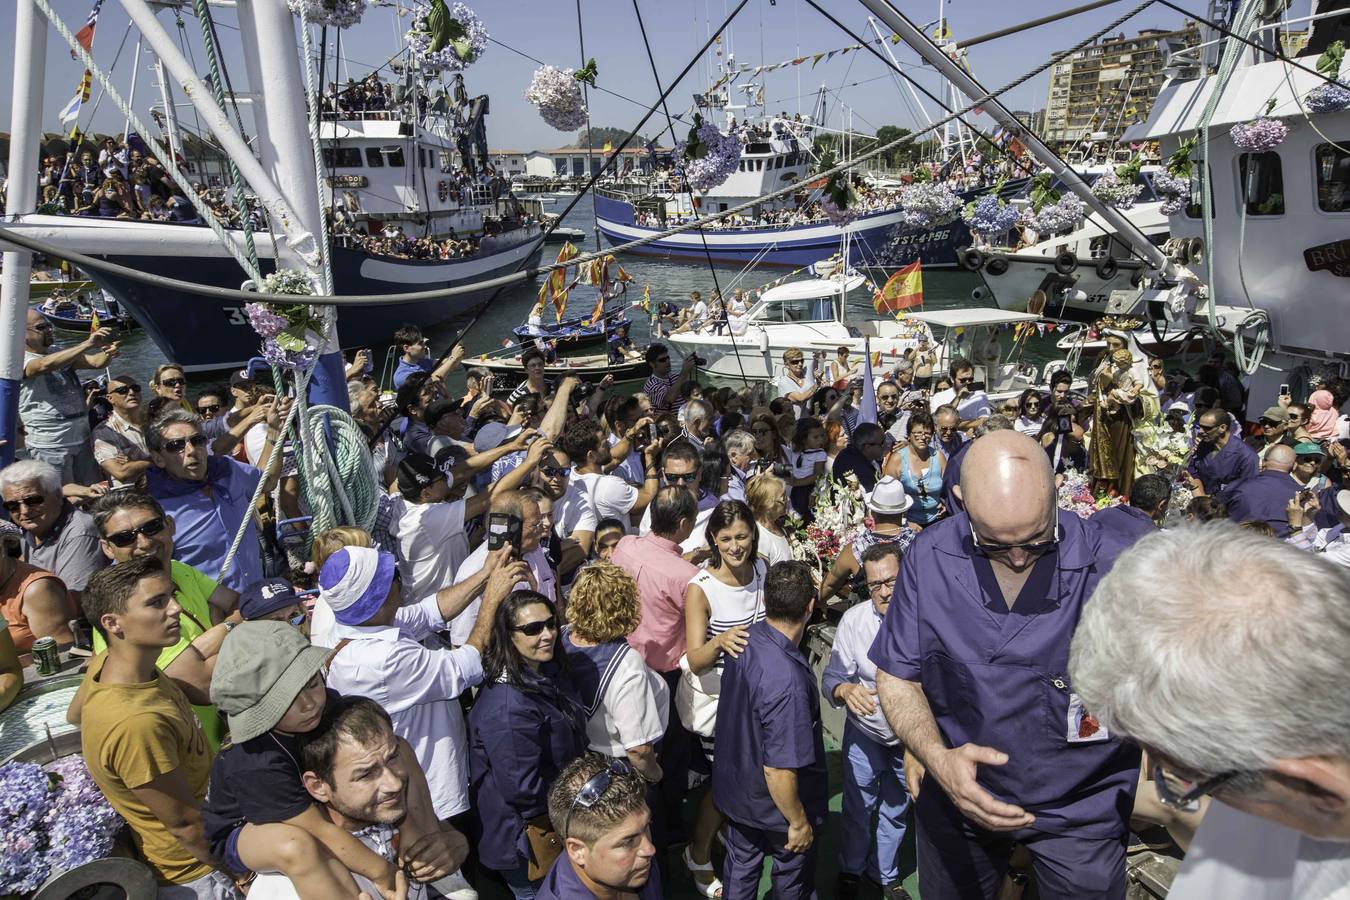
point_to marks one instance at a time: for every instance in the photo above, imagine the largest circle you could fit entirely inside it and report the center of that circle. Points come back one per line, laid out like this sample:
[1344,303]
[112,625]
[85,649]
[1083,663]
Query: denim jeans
[874,784]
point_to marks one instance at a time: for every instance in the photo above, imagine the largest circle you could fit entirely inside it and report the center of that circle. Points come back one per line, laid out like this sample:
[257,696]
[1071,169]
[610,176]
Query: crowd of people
[567,657]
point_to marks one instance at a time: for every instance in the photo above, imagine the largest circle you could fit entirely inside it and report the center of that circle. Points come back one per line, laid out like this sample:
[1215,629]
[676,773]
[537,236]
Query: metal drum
[39,712]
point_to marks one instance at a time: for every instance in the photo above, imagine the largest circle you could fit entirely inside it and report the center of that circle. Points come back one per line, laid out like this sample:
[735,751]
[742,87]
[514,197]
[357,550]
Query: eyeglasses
[1269,423]
[595,787]
[1207,428]
[207,409]
[555,471]
[1034,548]
[967,380]
[885,585]
[32,501]
[1178,793]
[178,444]
[173,382]
[126,389]
[680,478]
[41,326]
[534,629]
[124,539]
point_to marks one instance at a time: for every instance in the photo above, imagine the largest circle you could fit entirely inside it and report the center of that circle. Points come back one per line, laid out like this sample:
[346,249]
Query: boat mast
[30,63]
[170,114]
[962,80]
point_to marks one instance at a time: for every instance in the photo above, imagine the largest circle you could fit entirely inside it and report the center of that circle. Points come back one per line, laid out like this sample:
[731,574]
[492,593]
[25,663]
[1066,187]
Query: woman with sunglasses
[720,605]
[170,383]
[525,726]
[1030,417]
[768,446]
[919,466]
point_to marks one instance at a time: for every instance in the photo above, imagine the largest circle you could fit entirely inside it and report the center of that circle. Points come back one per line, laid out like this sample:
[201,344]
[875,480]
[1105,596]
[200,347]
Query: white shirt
[432,545]
[1332,544]
[609,497]
[574,511]
[1236,856]
[974,406]
[850,664]
[774,548]
[461,626]
[706,504]
[275,886]
[697,314]
[785,384]
[633,711]
[418,688]
[631,469]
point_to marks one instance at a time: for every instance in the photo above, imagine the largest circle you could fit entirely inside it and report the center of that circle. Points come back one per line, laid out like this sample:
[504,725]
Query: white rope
[170,164]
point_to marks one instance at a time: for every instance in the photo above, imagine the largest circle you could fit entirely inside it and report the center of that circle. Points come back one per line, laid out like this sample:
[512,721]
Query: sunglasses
[534,629]
[124,539]
[207,408]
[174,382]
[684,478]
[178,444]
[33,501]
[1035,548]
[595,787]
[555,471]
[1176,792]
[126,389]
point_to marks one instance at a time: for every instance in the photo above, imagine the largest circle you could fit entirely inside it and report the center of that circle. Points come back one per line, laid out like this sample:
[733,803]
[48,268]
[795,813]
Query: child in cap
[258,817]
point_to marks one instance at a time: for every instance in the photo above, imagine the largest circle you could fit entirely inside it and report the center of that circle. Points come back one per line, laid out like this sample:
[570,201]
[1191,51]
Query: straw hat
[888,498]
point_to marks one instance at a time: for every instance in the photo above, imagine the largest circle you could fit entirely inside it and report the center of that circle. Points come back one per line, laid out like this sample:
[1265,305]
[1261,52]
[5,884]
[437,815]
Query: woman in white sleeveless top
[720,605]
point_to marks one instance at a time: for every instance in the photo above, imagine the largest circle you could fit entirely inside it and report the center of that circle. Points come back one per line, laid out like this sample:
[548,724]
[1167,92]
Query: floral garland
[442,39]
[708,157]
[1115,191]
[838,201]
[340,13]
[290,331]
[556,93]
[1260,135]
[1075,495]
[1174,192]
[928,205]
[1062,215]
[989,216]
[839,516]
[51,820]
[1161,449]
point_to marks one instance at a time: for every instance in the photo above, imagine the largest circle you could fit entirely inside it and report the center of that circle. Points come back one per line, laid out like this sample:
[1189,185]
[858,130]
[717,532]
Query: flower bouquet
[1075,495]
[1260,135]
[556,93]
[341,13]
[989,216]
[839,202]
[1174,192]
[927,205]
[1115,191]
[447,39]
[1330,96]
[51,821]
[839,516]
[708,157]
[1162,450]
[1062,215]
[290,331]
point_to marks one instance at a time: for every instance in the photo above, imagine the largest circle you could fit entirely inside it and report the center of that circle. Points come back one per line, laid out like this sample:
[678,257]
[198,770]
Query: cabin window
[341,158]
[374,158]
[1262,183]
[1193,210]
[1333,177]
[808,309]
[393,156]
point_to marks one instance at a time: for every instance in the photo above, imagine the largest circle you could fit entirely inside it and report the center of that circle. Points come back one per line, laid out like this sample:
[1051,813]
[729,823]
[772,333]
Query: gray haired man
[1236,695]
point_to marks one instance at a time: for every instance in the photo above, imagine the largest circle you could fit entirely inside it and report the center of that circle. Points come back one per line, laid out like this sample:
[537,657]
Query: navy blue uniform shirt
[1125,521]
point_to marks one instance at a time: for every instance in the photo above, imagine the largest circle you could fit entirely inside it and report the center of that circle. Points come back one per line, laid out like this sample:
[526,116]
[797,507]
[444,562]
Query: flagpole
[131,95]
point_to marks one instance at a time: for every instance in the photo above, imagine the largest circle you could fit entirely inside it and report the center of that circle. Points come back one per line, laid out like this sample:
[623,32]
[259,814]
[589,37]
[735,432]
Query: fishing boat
[573,333]
[83,311]
[508,371]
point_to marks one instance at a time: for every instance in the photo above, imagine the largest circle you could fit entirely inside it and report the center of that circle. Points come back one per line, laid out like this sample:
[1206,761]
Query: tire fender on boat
[1107,268]
[1137,278]
[1066,263]
[996,266]
[972,259]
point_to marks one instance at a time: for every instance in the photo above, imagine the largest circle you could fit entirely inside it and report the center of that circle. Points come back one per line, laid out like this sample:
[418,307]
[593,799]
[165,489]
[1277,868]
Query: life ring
[1066,263]
[443,190]
[1107,268]
[972,260]
[997,265]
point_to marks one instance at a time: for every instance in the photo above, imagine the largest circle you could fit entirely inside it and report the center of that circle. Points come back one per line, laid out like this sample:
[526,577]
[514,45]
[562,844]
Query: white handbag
[696,698]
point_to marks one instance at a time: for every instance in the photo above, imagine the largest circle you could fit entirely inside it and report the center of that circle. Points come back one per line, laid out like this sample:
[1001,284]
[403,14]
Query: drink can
[46,659]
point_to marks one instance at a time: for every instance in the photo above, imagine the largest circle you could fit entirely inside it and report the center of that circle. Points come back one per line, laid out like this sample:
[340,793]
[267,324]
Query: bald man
[971,662]
[1265,498]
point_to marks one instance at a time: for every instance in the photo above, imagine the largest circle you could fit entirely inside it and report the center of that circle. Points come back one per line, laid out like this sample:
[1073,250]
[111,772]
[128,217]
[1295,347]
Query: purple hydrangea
[557,96]
[342,13]
[1062,215]
[1172,191]
[714,168]
[51,820]
[1112,190]
[25,795]
[264,319]
[928,205]
[289,358]
[1259,135]
[1328,97]
[989,216]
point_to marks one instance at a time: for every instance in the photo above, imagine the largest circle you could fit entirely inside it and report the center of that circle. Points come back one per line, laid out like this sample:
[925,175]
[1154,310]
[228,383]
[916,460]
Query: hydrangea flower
[1329,98]
[1075,495]
[342,13]
[1113,191]
[989,216]
[289,330]
[475,41]
[722,158]
[556,93]
[1062,215]
[1174,192]
[1259,135]
[929,205]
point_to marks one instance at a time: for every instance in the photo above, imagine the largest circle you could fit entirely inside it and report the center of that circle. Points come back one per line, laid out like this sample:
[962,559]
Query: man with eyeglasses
[873,760]
[971,405]
[1275,430]
[57,537]
[211,497]
[682,466]
[51,400]
[1250,708]
[663,389]
[796,382]
[598,808]
[1220,459]
[119,443]
[971,664]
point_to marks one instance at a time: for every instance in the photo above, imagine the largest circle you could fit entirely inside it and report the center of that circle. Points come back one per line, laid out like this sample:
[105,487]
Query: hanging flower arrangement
[708,157]
[52,820]
[1174,192]
[1330,97]
[290,331]
[1261,134]
[928,205]
[838,200]
[556,93]
[1061,215]
[338,13]
[1112,190]
[989,216]
[447,39]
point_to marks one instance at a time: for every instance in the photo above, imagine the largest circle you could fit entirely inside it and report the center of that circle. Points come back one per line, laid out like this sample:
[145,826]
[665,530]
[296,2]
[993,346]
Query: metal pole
[30,62]
[131,93]
[960,79]
[170,114]
[300,241]
[289,155]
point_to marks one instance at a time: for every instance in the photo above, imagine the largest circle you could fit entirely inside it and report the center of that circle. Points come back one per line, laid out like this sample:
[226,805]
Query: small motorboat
[508,372]
[573,333]
[77,311]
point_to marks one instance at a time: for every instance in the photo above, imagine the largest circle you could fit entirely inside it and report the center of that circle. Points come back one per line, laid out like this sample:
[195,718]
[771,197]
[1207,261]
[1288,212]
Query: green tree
[898,156]
[615,136]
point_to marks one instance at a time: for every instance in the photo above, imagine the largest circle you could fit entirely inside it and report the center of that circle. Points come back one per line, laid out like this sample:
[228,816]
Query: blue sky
[547,30]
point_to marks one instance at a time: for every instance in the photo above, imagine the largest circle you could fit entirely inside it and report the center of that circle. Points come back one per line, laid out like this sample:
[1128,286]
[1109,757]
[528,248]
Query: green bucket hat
[262,667]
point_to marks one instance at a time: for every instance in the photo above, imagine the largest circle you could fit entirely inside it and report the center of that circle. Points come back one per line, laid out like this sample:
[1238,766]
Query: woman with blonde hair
[324,545]
[170,383]
[627,704]
[767,496]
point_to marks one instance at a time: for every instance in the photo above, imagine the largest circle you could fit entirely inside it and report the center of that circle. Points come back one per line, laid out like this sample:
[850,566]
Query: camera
[696,360]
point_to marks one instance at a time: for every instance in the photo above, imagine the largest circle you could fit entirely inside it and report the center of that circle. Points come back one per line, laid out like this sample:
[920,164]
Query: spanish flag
[903,290]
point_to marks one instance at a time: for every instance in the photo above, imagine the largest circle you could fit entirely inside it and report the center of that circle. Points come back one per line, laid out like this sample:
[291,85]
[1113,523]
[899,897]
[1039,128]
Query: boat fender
[972,259]
[762,340]
[1137,278]
[443,190]
[979,293]
[1066,262]
[1107,268]
[997,265]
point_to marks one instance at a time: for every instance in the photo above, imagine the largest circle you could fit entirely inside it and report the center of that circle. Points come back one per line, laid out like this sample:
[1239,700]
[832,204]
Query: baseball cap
[1309,448]
[418,470]
[355,582]
[1276,414]
[260,670]
[275,594]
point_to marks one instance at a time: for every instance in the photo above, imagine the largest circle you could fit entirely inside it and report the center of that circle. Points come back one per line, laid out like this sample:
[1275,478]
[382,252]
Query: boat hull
[757,355]
[1082,295]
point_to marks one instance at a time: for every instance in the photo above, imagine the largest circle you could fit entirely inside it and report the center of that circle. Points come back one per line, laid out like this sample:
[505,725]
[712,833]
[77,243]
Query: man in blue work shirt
[769,776]
[1220,459]
[1265,497]
[971,664]
[1149,496]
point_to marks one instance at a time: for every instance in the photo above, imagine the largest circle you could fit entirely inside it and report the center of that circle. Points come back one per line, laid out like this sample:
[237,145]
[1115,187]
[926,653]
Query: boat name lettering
[924,237]
[348,181]
[1333,257]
